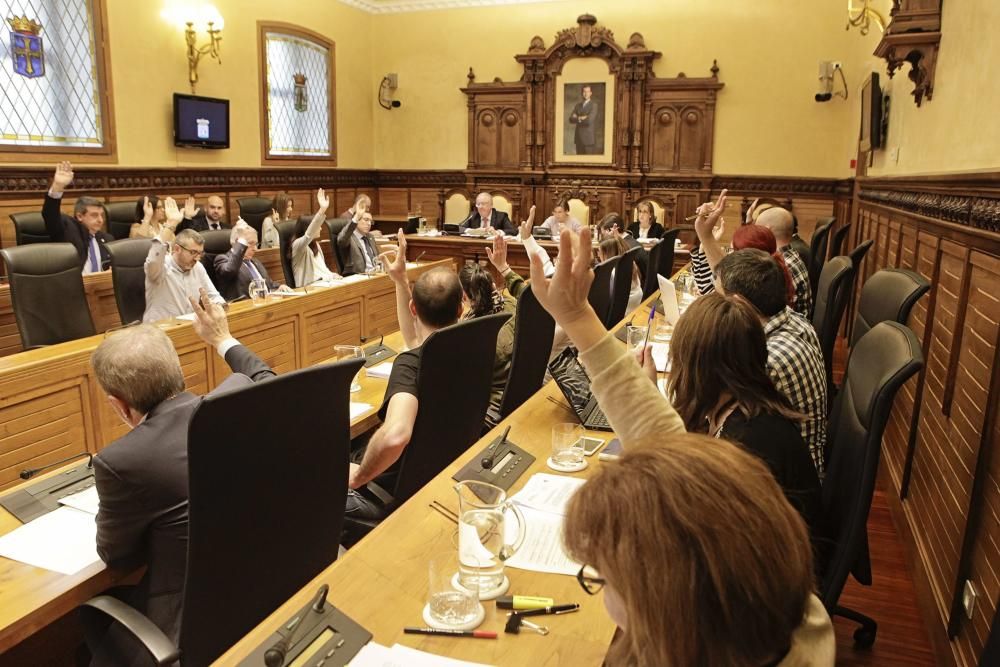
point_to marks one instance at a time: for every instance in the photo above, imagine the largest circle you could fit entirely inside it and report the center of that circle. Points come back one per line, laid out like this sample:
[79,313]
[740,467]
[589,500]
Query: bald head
[215,209]
[437,298]
[780,222]
[139,366]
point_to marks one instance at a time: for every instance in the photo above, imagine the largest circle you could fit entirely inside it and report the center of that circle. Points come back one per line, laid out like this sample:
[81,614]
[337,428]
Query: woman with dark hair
[281,210]
[720,386]
[480,297]
[646,226]
[304,252]
[150,216]
[561,219]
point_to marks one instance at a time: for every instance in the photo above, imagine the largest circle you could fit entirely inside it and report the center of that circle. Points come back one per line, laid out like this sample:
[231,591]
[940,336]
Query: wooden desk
[51,406]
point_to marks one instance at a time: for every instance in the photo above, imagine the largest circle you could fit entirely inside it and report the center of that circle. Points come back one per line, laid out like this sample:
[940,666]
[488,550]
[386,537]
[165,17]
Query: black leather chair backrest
[621,287]
[217,241]
[661,261]
[254,210]
[266,501]
[120,216]
[881,362]
[839,238]
[46,292]
[449,421]
[600,290]
[286,232]
[29,228]
[333,227]
[835,286]
[817,249]
[528,361]
[128,275]
[858,254]
[889,295]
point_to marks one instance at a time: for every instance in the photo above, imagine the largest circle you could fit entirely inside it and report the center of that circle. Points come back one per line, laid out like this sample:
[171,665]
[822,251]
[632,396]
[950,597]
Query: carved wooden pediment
[913,36]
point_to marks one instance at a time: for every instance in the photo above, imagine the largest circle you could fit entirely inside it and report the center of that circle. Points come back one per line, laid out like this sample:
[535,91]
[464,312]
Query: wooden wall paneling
[343,199]
[329,325]
[662,145]
[394,201]
[496,124]
[425,200]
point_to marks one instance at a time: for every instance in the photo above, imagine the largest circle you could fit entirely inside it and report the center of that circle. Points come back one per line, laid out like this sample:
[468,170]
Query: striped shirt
[800,280]
[702,271]
[795,364]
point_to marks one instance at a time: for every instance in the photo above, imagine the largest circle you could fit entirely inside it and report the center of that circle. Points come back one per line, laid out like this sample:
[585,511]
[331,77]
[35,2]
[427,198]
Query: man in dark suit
[357,248]
[236,269]
[486,217]
[212,218]
[584,116]
[142,477]
[84,229]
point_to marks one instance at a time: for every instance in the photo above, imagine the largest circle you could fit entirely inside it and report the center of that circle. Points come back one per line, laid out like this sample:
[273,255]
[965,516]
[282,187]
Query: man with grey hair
[142,477]
[172,280]
[781,224]
[486,217]
[84,230]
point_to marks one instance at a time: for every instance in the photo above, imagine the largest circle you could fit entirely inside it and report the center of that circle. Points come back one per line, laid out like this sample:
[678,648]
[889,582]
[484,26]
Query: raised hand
[719,229]
[173,214]
[190,210]
[210,321]
[394,260]
[565,294]
[708,216]
[147,210]
[527,225]
[498,254]
[753,207]
[62,177]
[322,200]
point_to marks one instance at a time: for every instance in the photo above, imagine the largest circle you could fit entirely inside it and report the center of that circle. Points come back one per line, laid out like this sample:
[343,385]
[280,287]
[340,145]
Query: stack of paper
[356,278]
[358,409]
[380,370]
[85,501]
[543,502]
[64,540]
[376,655]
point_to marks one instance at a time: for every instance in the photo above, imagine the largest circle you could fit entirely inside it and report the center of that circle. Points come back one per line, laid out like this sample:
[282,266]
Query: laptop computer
[574,383]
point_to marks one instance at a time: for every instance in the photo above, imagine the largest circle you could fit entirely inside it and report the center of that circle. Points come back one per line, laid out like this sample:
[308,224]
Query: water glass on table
[257,289]
[636,337]
[341,352]
[450,607]
[567,447]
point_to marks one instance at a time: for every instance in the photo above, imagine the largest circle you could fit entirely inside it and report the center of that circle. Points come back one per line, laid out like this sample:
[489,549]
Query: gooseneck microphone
[31,472]
[275,656]
[487,461]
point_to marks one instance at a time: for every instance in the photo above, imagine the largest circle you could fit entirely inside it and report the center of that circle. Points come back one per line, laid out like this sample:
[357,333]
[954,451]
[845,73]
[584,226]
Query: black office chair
[889,295]
[448,421]
[835,286]
[859,252]
[128,276]
[661,261]
[46,293]
[286,232]
[120,216]
[599,296]
[333,227]
[216,243]
[817,249]
[839,239]
[254,210]
[530,356]
[29,228]
[881,362]
[249,551]
[621,287]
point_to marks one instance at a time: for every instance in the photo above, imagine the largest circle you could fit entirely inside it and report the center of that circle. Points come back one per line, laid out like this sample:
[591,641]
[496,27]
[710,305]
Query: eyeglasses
[589,581]
[195,254]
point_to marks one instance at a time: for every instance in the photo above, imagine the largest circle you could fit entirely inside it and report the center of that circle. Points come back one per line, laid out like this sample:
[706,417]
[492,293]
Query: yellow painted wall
[957,130]
[767,121]
[148,64]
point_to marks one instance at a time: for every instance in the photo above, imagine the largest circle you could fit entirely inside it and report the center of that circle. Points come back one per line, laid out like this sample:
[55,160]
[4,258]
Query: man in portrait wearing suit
[84,229]
[357,248]
[236,269]
[211,219]
[142,477]
[584,116]
[486,217]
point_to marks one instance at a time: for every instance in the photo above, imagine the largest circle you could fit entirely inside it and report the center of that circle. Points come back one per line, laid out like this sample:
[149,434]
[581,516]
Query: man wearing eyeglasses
[171,279]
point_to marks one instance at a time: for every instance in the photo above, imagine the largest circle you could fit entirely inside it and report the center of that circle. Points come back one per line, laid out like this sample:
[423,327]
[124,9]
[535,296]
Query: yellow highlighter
[523,602]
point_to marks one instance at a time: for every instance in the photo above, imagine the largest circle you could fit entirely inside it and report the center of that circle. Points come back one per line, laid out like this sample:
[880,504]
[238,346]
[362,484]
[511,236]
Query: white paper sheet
[85,501]
[64,540]
[668,297]
[548,493]
[661,356]
[357,409]
[189,317]
[373,654]
[356,278]
[412,265]
[380,370]
[542,550]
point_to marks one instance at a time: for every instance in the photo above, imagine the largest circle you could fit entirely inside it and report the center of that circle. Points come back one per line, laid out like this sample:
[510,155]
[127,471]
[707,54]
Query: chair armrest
[381,494]
[151,637]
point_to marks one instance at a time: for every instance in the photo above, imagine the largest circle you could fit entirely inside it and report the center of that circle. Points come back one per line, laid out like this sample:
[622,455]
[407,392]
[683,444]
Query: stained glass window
[50,92]
[298,96]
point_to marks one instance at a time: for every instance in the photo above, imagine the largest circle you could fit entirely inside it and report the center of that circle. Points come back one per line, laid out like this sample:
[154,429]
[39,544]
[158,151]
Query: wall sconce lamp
[385,92]
[862,17]
[194,53]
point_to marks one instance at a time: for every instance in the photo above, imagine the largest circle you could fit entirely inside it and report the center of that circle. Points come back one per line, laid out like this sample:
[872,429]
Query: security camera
[825,81]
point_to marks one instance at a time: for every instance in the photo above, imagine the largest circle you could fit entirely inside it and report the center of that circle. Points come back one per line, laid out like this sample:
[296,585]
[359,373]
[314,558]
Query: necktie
[95,265]
[254,273]
[368,248]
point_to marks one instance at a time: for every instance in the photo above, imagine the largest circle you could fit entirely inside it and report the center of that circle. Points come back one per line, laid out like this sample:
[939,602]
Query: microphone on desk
[488,460]
[275,656]
[31,472]
[419,257]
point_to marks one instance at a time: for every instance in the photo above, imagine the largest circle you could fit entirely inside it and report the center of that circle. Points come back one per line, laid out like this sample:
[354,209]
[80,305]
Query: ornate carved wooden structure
[913,36]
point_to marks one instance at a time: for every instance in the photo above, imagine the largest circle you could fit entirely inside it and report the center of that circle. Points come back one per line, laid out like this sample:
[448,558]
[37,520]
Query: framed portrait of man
[584,113]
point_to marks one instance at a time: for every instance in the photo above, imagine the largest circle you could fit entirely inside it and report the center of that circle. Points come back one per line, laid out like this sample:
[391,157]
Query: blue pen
[649,325]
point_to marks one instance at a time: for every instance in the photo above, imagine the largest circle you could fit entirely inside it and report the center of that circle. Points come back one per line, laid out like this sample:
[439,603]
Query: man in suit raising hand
[84,230]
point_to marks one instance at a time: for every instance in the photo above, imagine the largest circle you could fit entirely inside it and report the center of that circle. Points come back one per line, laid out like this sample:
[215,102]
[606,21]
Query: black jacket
[232,276]
[64,229]
[498,220]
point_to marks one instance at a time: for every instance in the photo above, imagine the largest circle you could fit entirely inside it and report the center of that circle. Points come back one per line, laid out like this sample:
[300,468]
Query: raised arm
[161,242]
[344,235]
[708,220]
[395,263]
[51,214]
[212,326]
[312,232]
[227,266]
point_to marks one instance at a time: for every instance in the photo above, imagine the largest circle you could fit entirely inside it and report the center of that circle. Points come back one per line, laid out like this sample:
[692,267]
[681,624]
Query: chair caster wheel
[864,638]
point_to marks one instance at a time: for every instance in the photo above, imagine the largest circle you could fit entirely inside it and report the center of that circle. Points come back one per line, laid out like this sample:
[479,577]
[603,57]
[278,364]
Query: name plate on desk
[507,462]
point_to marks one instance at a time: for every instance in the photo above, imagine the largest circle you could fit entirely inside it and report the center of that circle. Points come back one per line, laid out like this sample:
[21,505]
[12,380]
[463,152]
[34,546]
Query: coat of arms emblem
[301,94]
[26,47]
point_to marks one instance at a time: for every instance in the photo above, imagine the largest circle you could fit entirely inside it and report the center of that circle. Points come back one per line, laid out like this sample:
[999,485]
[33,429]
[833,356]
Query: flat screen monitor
[201,121]
[871,115]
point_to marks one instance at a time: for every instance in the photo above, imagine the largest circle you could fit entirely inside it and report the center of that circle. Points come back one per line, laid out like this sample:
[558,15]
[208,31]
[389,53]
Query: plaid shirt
[795,364]
[800,279]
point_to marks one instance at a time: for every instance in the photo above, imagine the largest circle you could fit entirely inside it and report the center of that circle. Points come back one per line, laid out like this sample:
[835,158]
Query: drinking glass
[448,606]
[482,537]
[258,291]
[635,337]
[351,352]
[567,443]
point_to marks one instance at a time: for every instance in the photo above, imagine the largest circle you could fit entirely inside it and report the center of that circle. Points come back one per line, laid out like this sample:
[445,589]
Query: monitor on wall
[871,115]
[201,122]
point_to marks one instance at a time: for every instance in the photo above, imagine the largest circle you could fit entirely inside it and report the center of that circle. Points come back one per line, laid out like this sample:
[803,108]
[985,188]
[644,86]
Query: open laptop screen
[568,373]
